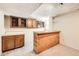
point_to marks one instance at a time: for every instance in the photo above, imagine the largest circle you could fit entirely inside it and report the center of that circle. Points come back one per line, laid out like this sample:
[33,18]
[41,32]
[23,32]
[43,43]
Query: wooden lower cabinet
[12,42]
[19,41]
[44,41]
[7,43]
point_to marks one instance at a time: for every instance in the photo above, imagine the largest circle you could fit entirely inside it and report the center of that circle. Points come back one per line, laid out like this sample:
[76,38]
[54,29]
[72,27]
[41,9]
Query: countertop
[47,32]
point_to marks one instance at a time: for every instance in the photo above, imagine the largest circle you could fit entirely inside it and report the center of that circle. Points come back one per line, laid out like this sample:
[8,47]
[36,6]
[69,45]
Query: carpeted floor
[58,50]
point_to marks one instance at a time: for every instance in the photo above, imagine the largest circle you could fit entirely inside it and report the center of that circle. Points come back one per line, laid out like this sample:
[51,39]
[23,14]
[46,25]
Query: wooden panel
[4,44]
[19,41]
[12,42]
[35,24]
[23,22]
[45,41]
[18,22]
[29,23]
[7,43]
[14,22]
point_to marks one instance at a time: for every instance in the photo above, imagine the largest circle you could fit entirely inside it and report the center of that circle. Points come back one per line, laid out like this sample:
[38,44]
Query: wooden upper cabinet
[35,24]
[32,23]
[14,22]
[21,22]
[29,23]
[43,41]
[18,22]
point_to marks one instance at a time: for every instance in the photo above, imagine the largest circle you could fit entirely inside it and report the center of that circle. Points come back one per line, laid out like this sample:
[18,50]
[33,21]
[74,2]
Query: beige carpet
[60,50]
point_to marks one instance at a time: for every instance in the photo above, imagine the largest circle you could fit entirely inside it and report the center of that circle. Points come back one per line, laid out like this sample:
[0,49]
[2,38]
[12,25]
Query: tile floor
[58,50]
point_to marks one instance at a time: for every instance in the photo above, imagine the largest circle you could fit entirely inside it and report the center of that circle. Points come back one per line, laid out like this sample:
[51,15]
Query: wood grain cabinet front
[19,41]
[44,41]
[12,42]
[7,43]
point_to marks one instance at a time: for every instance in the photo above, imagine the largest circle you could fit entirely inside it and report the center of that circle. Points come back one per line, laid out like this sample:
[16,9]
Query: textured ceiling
[53,9]
[19,8]
[37,9]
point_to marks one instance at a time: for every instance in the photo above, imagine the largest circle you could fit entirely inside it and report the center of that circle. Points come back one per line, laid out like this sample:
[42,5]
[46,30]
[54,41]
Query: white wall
[69,26]
[2,30]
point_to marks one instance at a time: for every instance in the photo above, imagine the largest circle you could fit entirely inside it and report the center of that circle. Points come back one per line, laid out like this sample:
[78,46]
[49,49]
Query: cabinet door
[35,24]
[29,23]
[19,41]
[7,43]
[14,22]
[23,22]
